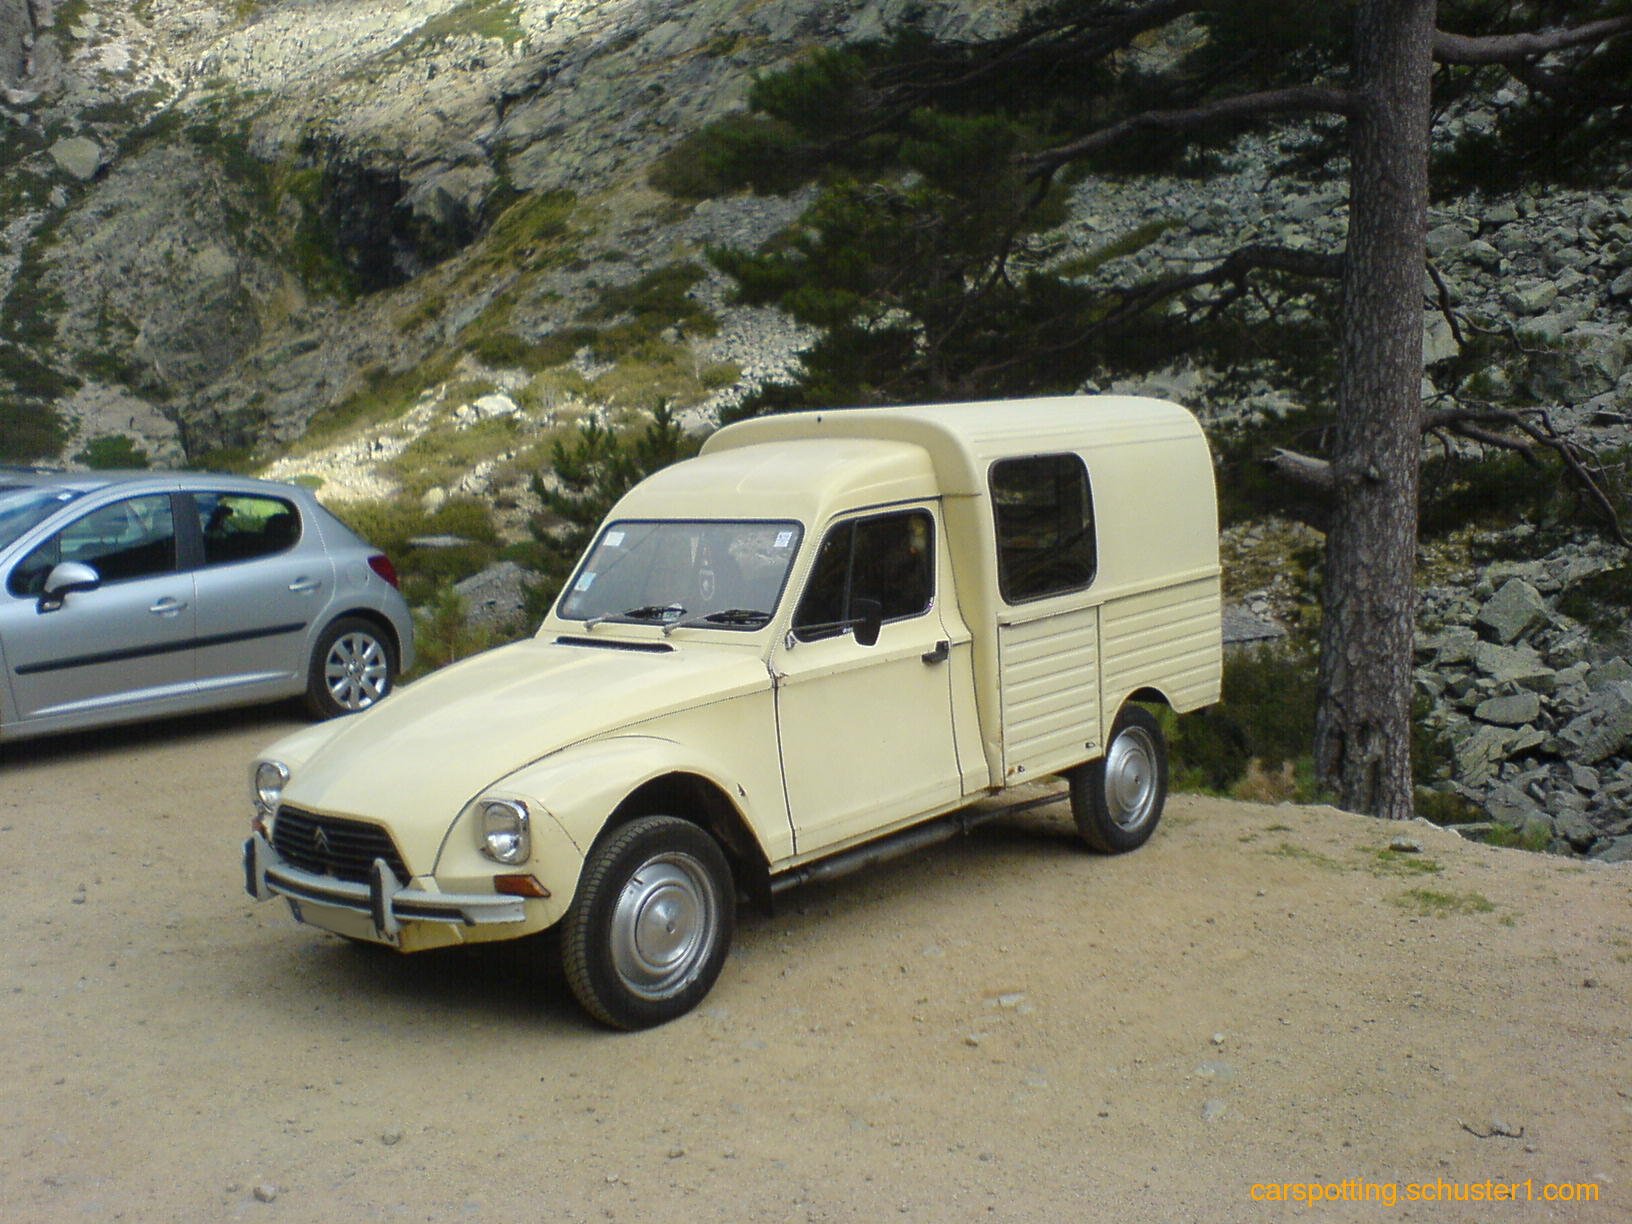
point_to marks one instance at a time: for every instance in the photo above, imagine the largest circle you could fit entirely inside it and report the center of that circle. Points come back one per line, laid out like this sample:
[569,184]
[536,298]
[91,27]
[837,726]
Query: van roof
[964,439]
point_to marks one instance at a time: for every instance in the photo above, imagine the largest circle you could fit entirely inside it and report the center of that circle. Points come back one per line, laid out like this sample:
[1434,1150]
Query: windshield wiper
[726,616]
[645,612]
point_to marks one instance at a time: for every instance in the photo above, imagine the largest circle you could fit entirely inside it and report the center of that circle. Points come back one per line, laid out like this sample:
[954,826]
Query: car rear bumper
[384,900]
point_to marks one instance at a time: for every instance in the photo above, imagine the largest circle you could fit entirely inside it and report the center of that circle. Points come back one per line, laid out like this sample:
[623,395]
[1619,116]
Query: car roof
[22,477]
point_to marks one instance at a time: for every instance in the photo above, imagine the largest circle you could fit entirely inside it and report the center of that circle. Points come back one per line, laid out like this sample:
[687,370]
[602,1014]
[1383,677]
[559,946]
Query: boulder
[497,596]
[1512,711]
[1604,729]
[1617,850]
[1577,830]
[1478,756]
[79,156]
[1513,611]
[1518,665]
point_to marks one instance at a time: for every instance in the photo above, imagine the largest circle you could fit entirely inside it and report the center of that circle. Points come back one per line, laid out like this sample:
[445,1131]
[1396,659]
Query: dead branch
[1475,423]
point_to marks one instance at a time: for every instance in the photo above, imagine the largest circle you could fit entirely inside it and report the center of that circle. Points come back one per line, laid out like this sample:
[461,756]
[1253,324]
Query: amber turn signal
[520,886]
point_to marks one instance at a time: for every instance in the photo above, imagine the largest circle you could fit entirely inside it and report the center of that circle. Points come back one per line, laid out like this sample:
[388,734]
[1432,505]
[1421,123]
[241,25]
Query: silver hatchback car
[127,595]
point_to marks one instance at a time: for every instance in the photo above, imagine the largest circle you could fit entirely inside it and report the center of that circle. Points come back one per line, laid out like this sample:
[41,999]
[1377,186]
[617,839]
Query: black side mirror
[64,580]
[867,618]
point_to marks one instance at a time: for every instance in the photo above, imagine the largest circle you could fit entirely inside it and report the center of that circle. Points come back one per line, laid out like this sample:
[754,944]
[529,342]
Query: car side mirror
[64,580]
[868,620]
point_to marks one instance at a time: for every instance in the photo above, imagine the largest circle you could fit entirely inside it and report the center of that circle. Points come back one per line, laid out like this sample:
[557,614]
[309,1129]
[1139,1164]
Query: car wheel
[1117,800]
[648,932]
[354,666]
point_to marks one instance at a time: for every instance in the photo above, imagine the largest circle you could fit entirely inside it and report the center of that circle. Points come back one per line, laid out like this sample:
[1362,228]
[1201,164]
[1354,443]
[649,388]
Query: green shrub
[112,451]
[390,525]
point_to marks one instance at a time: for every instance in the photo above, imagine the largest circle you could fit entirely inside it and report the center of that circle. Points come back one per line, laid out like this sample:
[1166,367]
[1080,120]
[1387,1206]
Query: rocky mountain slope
[395,247]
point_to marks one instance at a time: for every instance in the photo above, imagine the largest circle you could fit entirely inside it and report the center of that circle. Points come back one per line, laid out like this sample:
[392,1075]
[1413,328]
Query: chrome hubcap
[666,921]
[1130,778]
[356,671]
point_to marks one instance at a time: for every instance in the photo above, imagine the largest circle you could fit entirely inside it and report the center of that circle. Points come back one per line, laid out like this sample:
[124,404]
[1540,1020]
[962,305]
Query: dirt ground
[1002,1028]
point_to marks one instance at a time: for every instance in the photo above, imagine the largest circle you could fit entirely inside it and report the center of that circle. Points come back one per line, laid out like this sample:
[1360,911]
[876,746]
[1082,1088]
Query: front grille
[331,846]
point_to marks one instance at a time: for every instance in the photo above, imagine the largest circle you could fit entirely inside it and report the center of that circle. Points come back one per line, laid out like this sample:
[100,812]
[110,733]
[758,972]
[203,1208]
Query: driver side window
[134,538]
[889,558]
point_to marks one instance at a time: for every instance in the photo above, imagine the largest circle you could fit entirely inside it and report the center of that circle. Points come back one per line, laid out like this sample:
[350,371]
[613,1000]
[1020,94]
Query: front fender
[576,791]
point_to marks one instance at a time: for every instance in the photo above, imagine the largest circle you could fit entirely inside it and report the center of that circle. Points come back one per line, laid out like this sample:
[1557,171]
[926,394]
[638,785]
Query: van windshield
[709,573]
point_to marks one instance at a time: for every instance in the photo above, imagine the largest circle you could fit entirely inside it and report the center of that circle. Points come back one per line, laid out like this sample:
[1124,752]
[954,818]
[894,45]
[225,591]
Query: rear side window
[243,526]
[1044,511]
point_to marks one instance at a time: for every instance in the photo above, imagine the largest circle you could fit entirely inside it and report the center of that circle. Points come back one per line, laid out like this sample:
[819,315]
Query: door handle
[167,607]
[304,586]
[942,652]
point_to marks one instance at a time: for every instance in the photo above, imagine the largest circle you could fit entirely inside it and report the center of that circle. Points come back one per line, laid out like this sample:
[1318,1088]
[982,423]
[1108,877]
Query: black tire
[648,933]
[353,667]
[1117,800]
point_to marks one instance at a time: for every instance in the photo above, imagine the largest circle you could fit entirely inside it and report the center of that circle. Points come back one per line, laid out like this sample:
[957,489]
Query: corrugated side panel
[1170,639]
[1050,684]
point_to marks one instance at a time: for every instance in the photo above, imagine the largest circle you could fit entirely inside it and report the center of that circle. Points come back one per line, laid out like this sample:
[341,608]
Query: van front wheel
[650,928]
[1117,800]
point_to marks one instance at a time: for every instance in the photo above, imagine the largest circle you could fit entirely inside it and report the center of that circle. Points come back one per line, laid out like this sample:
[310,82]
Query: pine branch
[1296,100]
[1517,48]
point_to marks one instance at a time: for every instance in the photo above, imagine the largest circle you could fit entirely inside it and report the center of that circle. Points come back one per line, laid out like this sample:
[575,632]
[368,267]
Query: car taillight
[381,565]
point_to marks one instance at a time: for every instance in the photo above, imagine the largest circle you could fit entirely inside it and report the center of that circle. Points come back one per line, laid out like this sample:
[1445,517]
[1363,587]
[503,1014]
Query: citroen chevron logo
[320,847]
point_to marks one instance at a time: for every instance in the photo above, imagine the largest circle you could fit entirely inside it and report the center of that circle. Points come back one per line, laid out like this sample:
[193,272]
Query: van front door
[866,730]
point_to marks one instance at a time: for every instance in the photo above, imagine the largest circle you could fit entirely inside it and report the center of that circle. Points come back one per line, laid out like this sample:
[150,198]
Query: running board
[895,845]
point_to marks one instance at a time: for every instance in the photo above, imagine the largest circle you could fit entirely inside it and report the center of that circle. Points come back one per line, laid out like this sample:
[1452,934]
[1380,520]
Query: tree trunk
[1363,724]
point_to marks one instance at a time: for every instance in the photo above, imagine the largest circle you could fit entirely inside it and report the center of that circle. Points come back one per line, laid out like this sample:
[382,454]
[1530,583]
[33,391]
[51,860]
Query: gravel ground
[1001,1028]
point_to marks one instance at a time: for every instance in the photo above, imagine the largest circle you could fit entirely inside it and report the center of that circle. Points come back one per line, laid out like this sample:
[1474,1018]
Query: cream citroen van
[808,649]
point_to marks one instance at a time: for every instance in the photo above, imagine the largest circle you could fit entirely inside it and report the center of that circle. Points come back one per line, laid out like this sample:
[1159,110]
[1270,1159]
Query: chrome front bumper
[387,902]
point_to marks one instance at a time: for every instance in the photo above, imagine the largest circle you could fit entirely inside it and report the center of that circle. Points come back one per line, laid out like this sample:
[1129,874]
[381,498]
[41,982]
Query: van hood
[430,748]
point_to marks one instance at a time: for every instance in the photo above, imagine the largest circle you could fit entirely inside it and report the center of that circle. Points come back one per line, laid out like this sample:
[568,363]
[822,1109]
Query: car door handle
[305,586]
[942,652]
[167,607]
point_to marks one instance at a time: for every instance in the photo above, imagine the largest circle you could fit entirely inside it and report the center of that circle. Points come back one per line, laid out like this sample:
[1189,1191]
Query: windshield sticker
[584,583]
[783,539]
[614,539]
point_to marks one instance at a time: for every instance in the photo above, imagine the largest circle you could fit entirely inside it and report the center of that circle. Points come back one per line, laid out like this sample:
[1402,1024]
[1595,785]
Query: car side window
[134,538]
[889,558]
[1044,511]
[243,526]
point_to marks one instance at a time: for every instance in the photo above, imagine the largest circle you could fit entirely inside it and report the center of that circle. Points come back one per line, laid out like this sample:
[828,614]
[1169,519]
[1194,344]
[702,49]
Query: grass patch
[1435,903]
[440,456]
[1393,862]
[498,20]
[384,395]
[1535,839]
[1301,854]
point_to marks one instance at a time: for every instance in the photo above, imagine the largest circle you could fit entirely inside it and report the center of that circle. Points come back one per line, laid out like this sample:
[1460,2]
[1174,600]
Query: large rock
[1605,728]
[79,156]
[1517,665]
[1513,711]
[1513,611]
[495,597]
[1618,850]
[1478,756]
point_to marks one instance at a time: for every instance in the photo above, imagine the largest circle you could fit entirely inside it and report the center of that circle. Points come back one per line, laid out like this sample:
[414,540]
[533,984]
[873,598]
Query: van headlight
[506,835]
[270,779]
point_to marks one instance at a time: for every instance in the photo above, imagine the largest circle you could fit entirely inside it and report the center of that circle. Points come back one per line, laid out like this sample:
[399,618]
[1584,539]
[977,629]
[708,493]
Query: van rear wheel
[1117,800]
